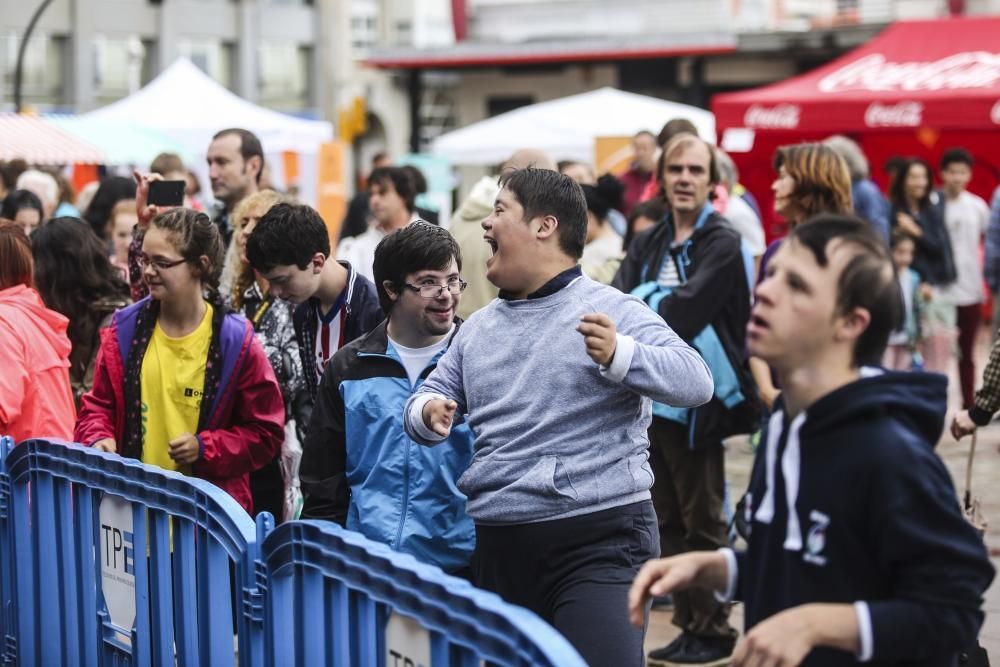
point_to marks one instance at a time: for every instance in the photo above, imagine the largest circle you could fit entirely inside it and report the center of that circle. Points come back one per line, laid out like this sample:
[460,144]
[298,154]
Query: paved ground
[985,486]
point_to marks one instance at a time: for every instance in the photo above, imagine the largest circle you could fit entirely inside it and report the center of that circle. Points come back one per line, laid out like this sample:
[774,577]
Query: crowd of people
[536,397]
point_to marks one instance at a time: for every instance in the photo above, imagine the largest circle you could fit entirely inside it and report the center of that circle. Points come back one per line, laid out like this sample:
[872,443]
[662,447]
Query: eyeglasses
[433,290]
[158,264]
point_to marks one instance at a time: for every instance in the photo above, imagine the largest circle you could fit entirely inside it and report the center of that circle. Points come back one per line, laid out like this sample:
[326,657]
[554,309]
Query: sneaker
[657,656]
[695,651]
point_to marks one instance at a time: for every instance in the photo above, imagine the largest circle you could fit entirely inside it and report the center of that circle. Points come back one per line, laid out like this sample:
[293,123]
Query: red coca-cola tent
[917,88]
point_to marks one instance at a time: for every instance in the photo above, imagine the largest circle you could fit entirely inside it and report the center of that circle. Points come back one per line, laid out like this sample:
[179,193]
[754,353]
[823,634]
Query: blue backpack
[707,342]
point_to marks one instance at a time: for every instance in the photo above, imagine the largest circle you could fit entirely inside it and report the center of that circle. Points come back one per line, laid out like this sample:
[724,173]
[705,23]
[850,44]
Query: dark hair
[417,176]
[72,271]
[166,163]
[399,179]
[420,246]
[822,179]
[898,236]
[249,145]
[654,209]
[897,189]
[112,190]
[11,170]
[195,235]
[646,133]
[674,127]
[287,234]
[893,165]
[543,192]
[867,281]
[604,196]
[15,256]
[17,200]
[957,154]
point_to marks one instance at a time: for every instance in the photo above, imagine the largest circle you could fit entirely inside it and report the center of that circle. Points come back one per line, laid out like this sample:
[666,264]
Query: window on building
[213,57]
[284,74]
[121,66]
[42,75]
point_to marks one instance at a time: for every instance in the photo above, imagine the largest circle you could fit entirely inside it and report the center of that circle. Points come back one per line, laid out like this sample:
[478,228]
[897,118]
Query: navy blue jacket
[716,295]
[876,520]
[360,469]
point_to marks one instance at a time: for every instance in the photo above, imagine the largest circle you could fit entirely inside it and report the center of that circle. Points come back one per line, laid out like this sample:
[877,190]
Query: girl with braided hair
[181,382]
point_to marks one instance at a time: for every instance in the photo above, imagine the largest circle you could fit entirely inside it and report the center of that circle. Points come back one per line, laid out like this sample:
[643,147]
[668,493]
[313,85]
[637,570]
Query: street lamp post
[20,53]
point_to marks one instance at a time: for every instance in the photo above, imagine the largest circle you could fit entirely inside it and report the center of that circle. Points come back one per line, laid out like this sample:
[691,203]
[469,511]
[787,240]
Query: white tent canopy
[187,105]
[567,127]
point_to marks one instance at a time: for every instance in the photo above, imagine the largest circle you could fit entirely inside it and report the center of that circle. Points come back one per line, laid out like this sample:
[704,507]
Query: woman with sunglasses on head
[181,382]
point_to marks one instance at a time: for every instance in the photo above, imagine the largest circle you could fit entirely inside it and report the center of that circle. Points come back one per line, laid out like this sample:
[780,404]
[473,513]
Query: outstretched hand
[439,415]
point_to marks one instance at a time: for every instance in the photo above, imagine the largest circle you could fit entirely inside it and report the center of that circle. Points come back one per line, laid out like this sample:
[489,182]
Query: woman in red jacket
[35,397]
[180,382]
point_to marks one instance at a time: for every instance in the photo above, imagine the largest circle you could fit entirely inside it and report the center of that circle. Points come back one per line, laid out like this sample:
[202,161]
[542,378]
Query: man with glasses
[359,468]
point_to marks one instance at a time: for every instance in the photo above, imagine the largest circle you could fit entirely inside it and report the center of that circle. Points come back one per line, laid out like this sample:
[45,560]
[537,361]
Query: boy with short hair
[290,248]
[555,377]
[359,468]
[857,547]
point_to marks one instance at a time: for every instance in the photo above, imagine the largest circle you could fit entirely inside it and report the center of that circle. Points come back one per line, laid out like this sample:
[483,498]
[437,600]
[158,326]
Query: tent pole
[22,47]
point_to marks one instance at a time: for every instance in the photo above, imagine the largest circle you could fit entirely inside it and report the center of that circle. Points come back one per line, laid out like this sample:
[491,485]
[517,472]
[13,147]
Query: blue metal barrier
[322,576]
[8,621]
[186,537]
[308,593]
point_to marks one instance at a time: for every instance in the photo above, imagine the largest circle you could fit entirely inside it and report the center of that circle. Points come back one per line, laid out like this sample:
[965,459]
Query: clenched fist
[599,334]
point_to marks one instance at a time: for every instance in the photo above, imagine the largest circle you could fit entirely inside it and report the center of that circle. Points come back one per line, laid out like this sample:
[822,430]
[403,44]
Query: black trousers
[688,494]
[575,573]
[267,489]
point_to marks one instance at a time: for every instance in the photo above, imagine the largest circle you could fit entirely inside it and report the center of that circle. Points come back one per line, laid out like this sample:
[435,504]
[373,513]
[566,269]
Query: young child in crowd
[901,354]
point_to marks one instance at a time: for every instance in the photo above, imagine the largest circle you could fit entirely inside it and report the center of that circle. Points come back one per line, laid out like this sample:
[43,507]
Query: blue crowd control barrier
[179,542]
[8,622]
[331,594]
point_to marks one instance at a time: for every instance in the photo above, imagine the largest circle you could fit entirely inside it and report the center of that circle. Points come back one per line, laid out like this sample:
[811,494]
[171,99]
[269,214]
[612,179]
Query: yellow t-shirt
[172,382]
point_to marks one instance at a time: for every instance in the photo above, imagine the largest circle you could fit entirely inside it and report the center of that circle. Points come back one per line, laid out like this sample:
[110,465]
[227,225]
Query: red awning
[941,74]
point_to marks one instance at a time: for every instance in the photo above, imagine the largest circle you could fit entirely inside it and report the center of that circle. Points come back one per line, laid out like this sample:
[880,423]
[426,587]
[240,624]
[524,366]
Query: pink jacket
[35,397]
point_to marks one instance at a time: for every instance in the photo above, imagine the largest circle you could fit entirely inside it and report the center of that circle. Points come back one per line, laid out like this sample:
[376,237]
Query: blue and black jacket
[709,310]
[360,469]
[848,503]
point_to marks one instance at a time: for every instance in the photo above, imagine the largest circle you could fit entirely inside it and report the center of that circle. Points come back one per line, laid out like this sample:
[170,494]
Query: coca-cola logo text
[970,69]
[995,113]
[782,116]
[902,114]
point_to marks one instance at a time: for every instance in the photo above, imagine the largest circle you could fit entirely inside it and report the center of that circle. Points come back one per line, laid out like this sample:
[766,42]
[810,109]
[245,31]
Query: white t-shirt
[745,220]
[416,359]
[966,218]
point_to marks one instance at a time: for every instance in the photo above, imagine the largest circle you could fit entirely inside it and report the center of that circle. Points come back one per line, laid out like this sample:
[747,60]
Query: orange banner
[612,155]
[331,189]
[291,164]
